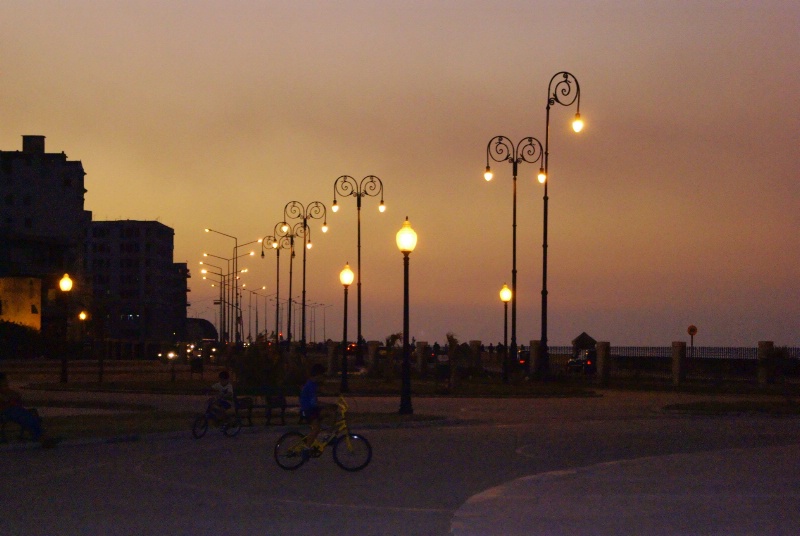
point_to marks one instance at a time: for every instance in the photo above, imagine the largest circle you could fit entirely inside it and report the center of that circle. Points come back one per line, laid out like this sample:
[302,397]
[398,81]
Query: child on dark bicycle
[310,407]
[223,390]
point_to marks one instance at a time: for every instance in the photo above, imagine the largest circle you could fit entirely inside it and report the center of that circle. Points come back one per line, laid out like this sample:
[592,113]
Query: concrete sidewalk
[729,492]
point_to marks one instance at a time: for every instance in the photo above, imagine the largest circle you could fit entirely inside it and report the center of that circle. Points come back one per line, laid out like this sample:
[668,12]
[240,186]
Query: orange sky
[677,204]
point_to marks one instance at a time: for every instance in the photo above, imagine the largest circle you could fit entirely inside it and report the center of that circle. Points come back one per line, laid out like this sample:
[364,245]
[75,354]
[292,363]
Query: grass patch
[487,386]
[117,424]
[180,387]
[138,422]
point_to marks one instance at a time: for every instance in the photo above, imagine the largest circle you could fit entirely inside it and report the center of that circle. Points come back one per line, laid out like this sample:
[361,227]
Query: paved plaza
[614,464]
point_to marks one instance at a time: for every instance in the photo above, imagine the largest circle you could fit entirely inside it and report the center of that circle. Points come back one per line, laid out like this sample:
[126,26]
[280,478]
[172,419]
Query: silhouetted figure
[11,408]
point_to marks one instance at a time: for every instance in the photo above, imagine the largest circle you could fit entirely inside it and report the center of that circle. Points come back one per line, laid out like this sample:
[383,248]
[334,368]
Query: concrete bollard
[535,360]
[765,349]
[372,354]
[603,363]
[679,362]
[333,364]
[419,356]
[475,354]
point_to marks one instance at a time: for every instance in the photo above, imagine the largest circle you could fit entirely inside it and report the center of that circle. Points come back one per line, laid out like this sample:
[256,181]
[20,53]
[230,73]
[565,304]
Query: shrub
[20,342]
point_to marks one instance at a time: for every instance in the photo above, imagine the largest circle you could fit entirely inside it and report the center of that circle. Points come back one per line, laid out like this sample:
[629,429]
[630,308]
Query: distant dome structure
[200,329]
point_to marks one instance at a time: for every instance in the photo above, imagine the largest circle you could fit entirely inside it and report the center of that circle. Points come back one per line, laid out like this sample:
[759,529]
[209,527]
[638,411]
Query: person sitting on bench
[12,409]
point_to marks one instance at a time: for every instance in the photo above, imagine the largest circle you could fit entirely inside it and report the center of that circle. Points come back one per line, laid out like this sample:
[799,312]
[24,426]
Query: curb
[257,429]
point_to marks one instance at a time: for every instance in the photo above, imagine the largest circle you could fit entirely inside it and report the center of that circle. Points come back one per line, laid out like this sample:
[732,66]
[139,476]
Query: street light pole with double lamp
[315,210]
[370,186]
[502,149]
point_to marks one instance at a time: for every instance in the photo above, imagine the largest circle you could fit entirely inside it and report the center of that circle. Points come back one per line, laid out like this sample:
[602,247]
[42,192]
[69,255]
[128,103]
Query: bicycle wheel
[200,426]
[232,427]
[352,452]
[289,451]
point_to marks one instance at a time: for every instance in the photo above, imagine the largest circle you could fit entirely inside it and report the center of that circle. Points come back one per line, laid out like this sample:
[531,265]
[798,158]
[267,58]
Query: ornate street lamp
[294,211]
[370,186]
[505,297]
[286,234]
[406,242]
[277,243]
[564,90]
[65,284]
[501,149]
[346,278]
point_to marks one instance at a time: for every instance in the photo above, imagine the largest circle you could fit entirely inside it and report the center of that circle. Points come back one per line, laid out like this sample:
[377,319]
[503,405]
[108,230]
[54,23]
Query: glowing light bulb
[577,124]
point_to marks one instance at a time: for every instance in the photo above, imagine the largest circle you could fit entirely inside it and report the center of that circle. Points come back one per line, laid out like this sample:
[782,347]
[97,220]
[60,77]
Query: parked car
[585,362]
[523,358]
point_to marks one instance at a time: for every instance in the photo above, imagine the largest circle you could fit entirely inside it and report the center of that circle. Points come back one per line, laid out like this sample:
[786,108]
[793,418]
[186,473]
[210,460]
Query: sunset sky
[678,204]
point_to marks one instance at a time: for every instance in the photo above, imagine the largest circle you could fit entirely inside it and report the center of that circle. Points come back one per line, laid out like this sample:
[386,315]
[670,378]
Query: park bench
[268,398]
[5,421]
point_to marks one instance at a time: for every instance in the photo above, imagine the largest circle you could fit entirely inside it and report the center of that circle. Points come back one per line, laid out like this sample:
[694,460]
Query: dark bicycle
[230,424]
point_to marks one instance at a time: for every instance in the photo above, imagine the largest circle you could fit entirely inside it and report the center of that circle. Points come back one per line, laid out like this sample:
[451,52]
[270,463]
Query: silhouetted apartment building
[122,271]
[42,234]
[139,293]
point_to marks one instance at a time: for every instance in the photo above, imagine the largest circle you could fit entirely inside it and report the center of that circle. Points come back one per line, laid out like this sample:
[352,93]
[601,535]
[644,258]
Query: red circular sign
[692,330]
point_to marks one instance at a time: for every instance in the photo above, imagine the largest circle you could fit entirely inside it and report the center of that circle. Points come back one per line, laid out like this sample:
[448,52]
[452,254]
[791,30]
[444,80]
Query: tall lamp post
[231,290]
[289,233]
[368,186]
[294,211]
[277,243]
[238,297]
[406,242]
[505,297]
[232,303]
[221,294]
[502,149]
[250,311]
[324,333]
[235,298]
[564,90]
[346,278]
[65,284]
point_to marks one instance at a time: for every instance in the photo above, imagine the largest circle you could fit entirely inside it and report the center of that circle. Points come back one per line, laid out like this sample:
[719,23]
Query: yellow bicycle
[351,452]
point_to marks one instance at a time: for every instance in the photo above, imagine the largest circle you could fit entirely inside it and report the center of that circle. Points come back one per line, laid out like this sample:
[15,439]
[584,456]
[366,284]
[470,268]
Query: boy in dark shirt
[310,407]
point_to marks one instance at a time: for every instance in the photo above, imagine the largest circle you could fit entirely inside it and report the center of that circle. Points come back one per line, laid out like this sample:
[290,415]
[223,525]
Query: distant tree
[393,339]
[452,343]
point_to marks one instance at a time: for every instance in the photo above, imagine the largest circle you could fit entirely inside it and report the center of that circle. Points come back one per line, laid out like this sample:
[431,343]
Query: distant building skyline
[123,272]
[139,294]
[676,204]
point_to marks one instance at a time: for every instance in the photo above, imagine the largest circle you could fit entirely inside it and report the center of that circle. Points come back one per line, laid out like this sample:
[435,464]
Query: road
[513,466]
